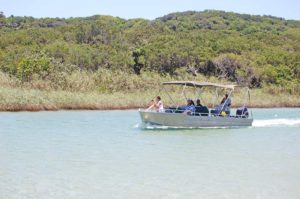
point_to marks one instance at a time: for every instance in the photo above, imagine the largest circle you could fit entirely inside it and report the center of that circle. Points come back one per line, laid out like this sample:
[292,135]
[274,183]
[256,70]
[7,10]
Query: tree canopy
[249,49]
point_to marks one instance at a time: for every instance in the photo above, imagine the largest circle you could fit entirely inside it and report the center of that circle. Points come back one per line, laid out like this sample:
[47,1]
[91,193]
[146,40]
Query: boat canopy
[200,84]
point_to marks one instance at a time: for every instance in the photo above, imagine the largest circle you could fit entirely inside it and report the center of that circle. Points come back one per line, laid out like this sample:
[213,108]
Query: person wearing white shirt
[157,105]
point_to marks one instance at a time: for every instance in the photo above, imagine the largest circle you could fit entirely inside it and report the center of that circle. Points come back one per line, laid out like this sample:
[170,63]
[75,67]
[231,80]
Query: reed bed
[19,99]
[107,89]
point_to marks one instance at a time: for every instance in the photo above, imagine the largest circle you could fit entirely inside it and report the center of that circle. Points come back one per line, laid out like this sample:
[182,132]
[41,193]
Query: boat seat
[174,110]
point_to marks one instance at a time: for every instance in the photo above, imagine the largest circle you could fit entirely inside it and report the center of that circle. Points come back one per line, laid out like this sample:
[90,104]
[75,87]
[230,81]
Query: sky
[288,9]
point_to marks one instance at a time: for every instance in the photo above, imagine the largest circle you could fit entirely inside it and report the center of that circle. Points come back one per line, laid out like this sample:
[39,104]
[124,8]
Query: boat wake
[153,127]
[276,122]
[256,123]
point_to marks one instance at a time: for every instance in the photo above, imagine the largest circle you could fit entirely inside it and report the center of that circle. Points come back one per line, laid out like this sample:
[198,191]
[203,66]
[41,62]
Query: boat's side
[183,120]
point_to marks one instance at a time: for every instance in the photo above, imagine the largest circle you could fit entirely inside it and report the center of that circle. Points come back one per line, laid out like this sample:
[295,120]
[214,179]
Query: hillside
[108,54]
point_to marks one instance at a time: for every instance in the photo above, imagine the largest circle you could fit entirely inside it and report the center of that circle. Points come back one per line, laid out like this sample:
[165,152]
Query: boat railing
[210,113]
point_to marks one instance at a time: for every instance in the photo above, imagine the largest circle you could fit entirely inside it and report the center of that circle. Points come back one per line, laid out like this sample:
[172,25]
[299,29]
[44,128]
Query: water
[105,154]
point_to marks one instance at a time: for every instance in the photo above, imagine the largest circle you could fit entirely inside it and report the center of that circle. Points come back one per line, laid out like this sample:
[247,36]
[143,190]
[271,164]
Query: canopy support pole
[169,96]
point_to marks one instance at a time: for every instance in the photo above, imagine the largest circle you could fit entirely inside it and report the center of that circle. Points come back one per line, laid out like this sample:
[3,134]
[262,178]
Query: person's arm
[187,110]
[150,107]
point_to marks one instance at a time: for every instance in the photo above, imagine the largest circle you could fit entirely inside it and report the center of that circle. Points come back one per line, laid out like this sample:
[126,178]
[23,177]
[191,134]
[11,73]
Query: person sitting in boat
[156,105]
[222,109]
[226,103]
[190,107]
[200,109]
[198,103]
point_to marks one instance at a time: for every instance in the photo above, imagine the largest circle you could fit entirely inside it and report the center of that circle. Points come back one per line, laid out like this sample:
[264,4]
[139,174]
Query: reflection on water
[105,154]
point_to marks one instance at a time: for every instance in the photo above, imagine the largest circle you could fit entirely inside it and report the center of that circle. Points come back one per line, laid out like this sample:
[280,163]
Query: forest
[108,54]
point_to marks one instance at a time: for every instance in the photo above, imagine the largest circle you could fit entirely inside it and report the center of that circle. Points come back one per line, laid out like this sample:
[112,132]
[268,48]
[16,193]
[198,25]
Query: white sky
[289,9]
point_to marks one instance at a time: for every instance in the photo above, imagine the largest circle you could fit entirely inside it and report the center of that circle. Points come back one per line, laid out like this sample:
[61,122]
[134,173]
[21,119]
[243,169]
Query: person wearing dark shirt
[198,103]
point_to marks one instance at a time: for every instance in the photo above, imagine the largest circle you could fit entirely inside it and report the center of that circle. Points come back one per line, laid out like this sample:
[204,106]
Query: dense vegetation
[102,52]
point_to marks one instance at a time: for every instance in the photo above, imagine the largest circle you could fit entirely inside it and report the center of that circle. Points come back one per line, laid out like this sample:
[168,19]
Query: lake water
[105,154]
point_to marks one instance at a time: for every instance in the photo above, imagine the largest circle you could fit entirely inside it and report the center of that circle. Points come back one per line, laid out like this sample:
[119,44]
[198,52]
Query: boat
[220,116]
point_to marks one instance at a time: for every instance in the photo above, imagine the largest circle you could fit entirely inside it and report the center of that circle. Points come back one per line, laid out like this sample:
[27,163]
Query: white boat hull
[187,121]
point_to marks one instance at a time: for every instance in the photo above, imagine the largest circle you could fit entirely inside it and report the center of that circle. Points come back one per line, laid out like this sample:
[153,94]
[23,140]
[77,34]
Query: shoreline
[19,99]
[86,107]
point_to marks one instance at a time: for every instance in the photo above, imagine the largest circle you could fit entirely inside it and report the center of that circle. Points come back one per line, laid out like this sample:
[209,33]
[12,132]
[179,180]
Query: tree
[139,60]
[2,14]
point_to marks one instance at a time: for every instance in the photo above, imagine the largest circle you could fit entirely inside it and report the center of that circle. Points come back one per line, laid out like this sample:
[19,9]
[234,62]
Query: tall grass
[106,89]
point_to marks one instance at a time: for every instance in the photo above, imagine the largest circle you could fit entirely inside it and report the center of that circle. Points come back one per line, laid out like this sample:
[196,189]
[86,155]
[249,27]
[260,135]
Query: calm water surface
[105,154]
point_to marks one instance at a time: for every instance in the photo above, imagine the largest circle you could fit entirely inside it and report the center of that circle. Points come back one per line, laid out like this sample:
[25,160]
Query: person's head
[189,101]
[198,102]
[226,95]
[158,98]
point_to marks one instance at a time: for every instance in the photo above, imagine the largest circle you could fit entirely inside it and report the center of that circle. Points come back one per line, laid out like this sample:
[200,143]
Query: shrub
[35,64]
